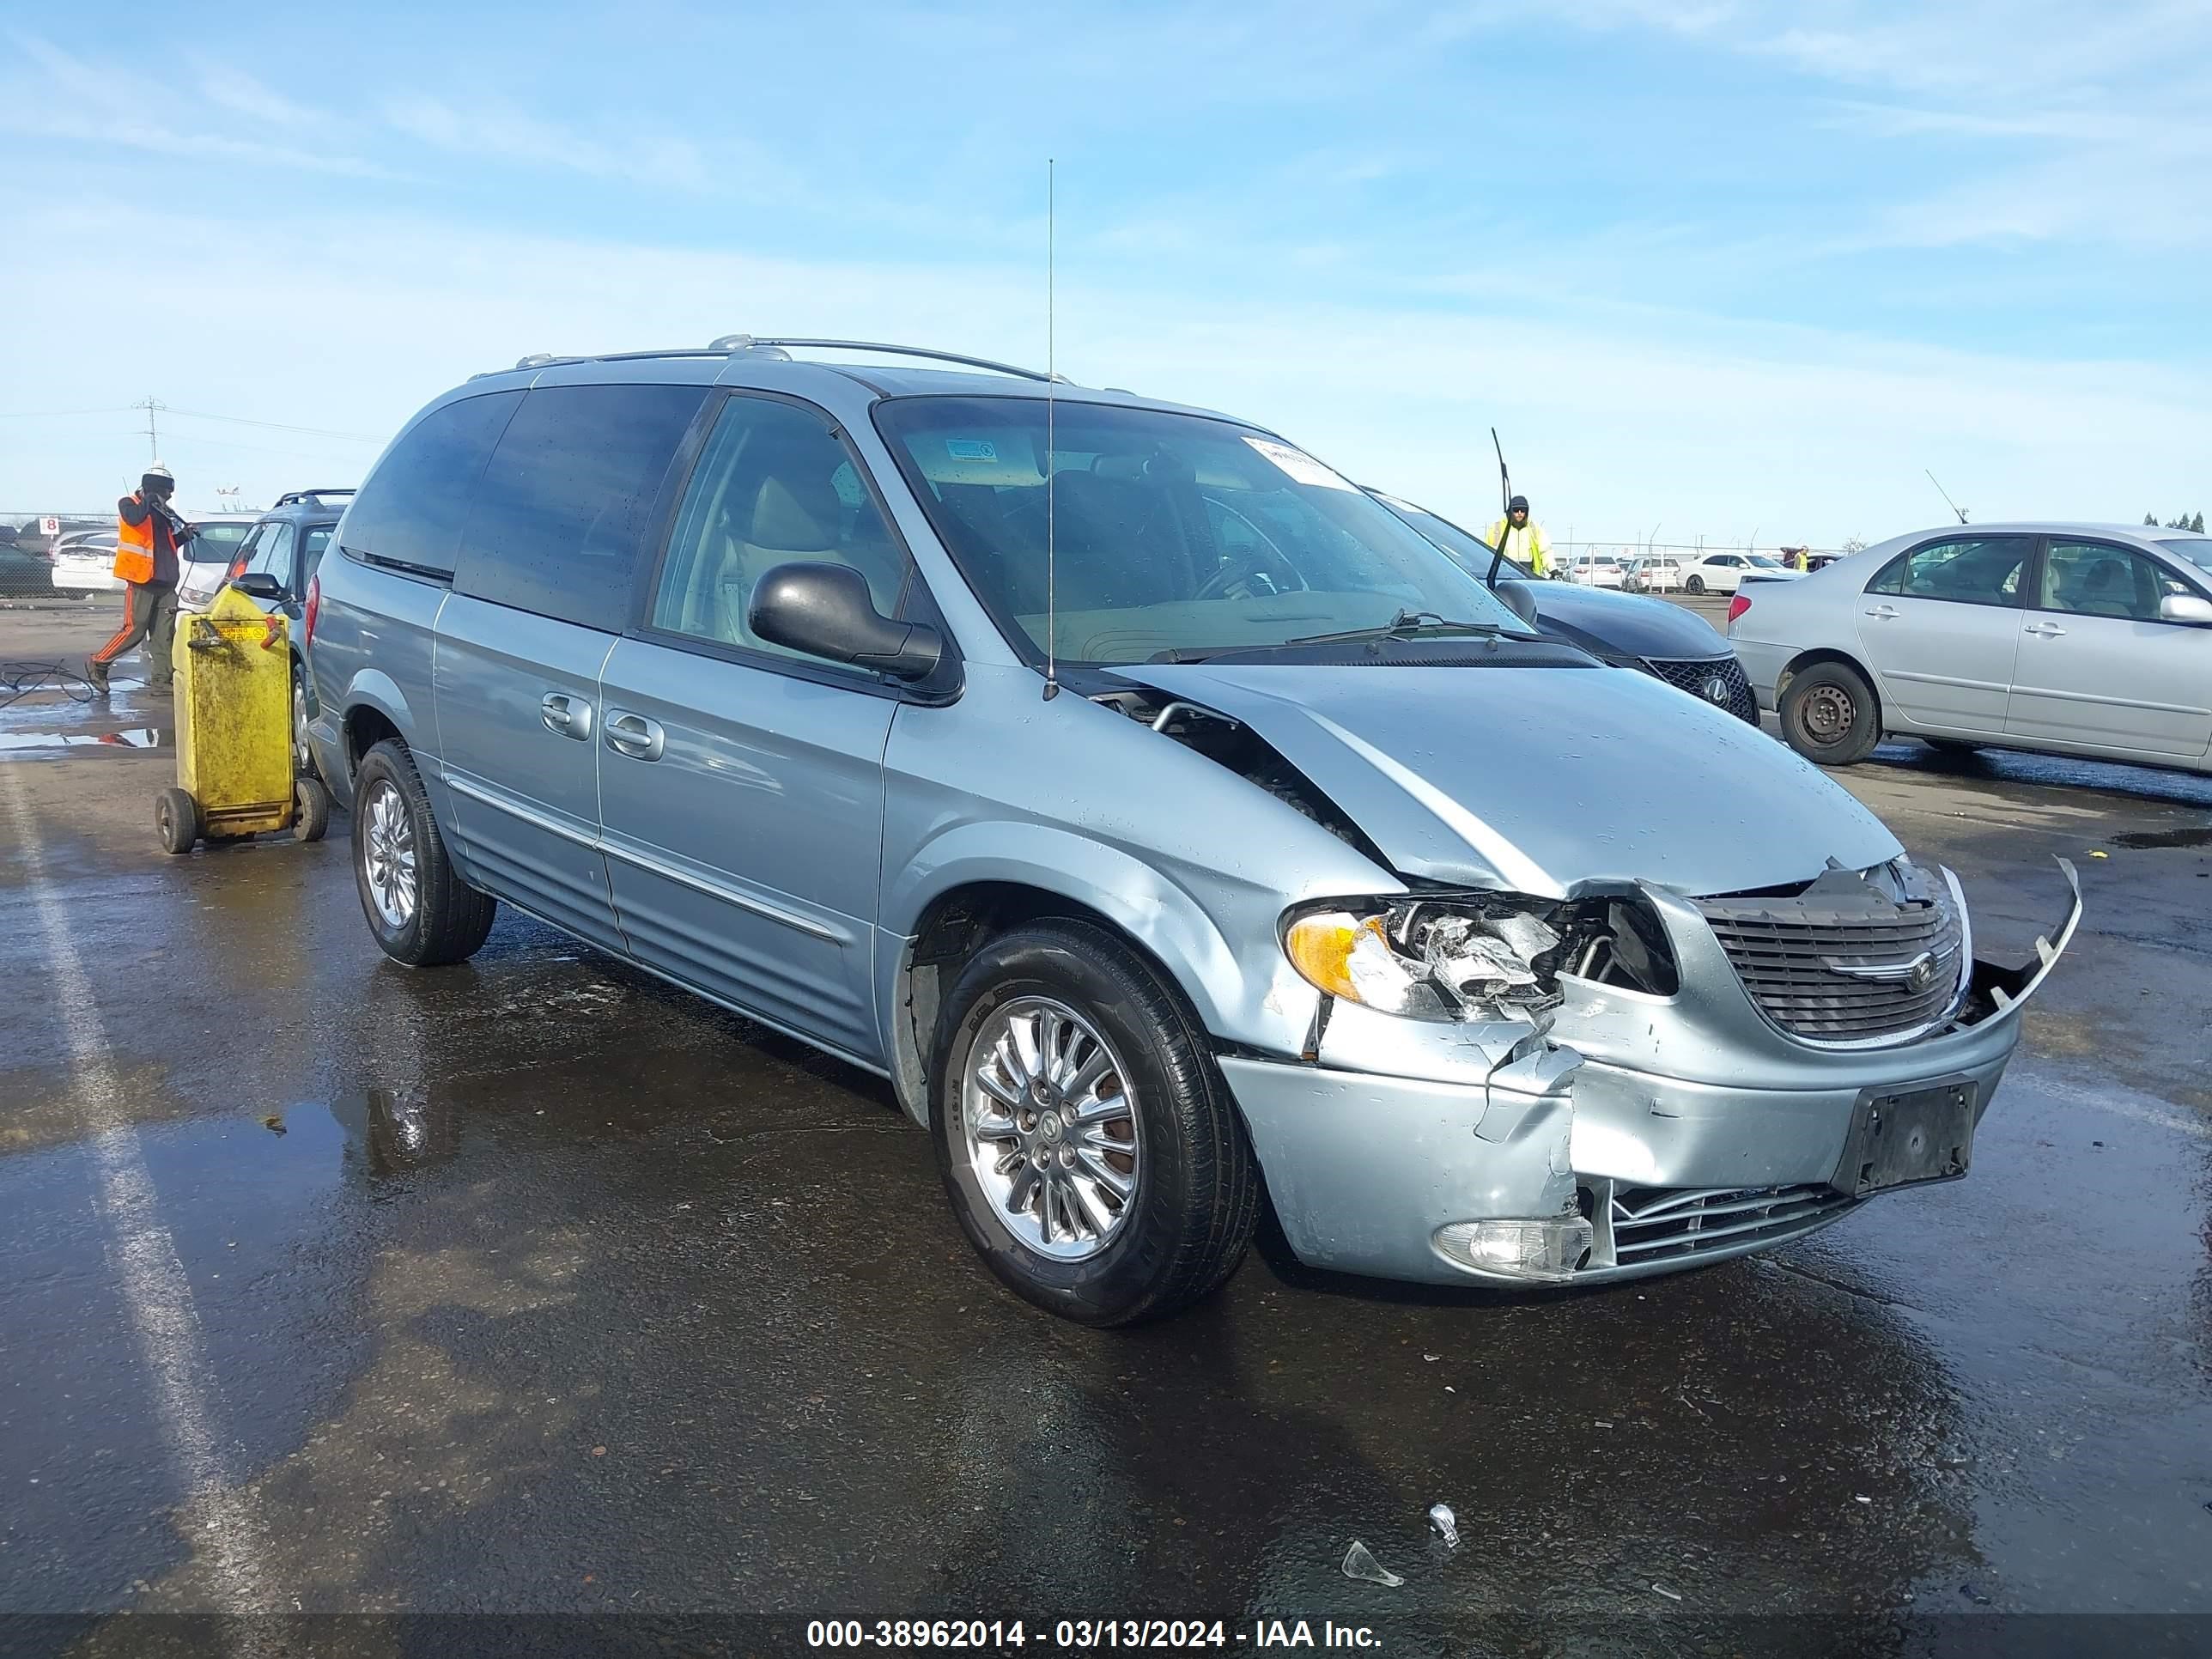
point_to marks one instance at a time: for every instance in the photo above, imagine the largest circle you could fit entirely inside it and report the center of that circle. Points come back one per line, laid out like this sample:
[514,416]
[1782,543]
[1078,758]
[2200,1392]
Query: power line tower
[153,438]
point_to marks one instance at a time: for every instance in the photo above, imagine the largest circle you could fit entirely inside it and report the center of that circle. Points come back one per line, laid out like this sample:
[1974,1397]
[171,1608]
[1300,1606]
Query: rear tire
[1829,716]
[422,913]
[176,820]
[1195,1187]
[1695,585]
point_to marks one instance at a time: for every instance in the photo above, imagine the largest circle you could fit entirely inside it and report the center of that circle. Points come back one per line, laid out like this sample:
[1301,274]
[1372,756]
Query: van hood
[1543,780]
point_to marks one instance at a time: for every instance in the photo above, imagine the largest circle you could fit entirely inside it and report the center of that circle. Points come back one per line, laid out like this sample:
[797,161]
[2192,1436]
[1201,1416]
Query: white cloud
[491,132]
[234,90]
[1613,422]
[70,101]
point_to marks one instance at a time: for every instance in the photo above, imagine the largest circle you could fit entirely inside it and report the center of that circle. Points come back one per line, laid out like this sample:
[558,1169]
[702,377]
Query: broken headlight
[1430,959]
[1474,955]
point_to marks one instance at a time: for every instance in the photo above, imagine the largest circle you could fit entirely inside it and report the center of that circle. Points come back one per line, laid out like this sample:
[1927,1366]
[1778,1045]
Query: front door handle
[2047,630]
[571,717]
[1885,611]
[635,736]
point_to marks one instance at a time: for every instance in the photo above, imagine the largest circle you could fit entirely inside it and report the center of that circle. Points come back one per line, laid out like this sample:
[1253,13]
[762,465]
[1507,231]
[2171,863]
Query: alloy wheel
[1051,1128]
[388,854]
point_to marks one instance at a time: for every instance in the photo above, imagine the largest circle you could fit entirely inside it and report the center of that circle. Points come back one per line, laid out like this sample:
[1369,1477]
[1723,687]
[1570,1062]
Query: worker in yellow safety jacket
[148,538]
[1520,539]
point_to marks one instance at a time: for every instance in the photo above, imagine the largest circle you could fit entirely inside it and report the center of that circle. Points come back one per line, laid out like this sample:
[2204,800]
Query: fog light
[1547,1249]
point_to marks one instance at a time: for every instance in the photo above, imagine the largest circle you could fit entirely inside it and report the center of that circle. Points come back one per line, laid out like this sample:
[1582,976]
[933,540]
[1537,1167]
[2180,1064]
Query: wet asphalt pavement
[533,1286]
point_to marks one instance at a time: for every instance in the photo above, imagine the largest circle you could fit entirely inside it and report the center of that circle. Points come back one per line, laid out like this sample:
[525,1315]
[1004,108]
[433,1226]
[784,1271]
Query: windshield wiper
[1406,625]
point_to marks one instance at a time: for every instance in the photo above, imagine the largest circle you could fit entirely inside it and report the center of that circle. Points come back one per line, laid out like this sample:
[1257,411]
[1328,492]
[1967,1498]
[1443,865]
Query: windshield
[1470,550]
[1765,564]
[2197,549]
[216,542]
[1171,532]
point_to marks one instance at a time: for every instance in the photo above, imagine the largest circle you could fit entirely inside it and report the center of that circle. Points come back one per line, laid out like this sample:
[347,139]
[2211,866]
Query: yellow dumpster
[234,758]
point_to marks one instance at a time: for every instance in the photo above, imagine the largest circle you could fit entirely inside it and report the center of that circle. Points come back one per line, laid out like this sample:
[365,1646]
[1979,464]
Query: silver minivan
[1177,830]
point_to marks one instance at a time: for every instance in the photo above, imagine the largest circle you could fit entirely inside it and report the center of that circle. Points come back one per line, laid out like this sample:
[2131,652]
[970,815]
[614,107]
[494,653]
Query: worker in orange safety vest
[148,538]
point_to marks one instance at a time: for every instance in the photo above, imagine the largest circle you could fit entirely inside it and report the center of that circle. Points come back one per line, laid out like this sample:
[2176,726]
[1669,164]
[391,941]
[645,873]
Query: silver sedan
[2073,639]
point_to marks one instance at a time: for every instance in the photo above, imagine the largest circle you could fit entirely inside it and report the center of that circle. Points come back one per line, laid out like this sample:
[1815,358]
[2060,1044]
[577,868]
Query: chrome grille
[1651,1223]
[1827,970]
[1691,675]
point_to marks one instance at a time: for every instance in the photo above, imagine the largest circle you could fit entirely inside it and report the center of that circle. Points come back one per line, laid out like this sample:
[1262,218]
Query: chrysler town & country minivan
[1175,827]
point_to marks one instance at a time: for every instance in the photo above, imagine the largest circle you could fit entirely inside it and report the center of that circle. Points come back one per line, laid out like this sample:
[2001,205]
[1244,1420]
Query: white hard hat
[157,470]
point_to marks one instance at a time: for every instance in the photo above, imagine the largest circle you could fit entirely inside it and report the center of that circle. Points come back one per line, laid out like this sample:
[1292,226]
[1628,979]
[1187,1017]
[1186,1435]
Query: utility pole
[153,438]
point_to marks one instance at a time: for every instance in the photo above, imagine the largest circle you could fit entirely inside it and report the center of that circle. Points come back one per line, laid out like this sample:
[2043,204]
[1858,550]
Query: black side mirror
[1518,599]
[258,585]
[825,611]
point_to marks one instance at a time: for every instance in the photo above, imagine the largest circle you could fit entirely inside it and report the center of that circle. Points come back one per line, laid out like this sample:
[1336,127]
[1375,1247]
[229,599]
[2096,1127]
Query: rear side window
[317,538]
[410,512]
[1966,570]
[566,504]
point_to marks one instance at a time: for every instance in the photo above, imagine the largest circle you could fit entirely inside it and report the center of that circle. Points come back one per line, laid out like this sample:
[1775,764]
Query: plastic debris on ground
[1671,1596]
[1359,1562]
[1445,1523]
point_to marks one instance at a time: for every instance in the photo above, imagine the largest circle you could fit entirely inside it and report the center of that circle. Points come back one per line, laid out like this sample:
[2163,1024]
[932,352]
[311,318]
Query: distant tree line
[2187,521]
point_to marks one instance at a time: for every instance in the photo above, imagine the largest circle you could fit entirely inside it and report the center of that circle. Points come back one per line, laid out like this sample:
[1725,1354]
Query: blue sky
[1726,268]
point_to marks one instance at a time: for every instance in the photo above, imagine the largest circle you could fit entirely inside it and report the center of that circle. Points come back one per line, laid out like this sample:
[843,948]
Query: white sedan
[1592,571]
[84,564]
[1651,576]
[1724,573]
[2071,639]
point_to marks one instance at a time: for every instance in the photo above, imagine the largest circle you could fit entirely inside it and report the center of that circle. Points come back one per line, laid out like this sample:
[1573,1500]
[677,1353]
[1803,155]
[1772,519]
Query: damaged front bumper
[1648,1134]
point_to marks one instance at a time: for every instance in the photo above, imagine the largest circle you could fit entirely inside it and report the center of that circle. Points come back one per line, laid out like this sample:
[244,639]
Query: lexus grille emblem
[1716,690]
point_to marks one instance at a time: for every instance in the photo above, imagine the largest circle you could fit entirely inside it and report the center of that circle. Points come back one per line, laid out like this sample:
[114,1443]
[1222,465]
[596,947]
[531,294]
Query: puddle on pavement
[2017,766]
[147,736]
[2201,836]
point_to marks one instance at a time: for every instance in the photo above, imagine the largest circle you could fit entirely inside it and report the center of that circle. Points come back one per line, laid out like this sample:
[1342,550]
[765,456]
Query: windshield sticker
[1301,467]
[971,449]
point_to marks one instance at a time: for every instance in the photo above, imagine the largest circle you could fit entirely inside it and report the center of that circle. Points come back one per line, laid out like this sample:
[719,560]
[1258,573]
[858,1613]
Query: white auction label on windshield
[1301,467]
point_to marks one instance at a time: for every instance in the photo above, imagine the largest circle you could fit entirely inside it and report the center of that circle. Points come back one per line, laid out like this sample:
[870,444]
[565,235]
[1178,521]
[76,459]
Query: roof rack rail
[292,497]
[736,344]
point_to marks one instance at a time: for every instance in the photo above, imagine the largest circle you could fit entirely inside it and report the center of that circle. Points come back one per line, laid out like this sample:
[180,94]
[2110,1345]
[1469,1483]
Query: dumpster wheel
[310,809]
[177,820]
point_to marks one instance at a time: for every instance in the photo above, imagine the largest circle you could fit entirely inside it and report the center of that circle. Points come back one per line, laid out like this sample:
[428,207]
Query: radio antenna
[1946,494]
[1051,384]
[1504,509]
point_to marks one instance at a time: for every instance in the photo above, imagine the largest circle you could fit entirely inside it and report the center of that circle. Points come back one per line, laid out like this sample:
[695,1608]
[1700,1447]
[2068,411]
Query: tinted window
[2095,579]
[411,511]
[1968,570]
[566,503]
[774,485]
[317,538]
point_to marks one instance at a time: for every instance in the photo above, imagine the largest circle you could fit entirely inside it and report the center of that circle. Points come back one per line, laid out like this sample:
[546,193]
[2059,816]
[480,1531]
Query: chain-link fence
[56,556]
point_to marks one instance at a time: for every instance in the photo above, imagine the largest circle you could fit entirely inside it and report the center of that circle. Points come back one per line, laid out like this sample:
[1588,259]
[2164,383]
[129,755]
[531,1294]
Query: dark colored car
[1629,630]
[272,568]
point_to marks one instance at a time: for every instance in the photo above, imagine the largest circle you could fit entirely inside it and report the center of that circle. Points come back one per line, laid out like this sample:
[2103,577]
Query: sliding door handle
[635,736]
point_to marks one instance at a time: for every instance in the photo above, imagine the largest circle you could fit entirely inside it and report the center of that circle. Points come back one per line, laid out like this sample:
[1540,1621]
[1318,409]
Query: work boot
[95,676]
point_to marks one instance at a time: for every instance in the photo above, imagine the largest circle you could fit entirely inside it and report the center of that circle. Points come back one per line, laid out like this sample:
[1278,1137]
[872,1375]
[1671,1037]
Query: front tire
[422,913]
[1829,715]
[303,752]
[1087,1143]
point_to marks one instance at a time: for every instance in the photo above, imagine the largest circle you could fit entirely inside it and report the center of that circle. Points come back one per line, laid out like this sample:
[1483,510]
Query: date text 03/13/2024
[993,1635]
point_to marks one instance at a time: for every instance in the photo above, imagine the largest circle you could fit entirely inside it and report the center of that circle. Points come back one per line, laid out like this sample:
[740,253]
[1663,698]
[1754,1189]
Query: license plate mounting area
[1908,1138]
